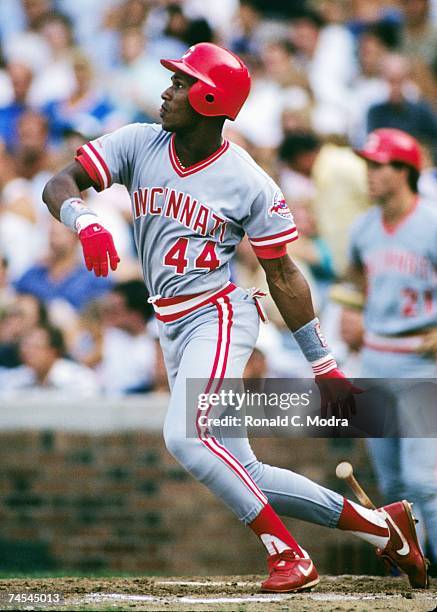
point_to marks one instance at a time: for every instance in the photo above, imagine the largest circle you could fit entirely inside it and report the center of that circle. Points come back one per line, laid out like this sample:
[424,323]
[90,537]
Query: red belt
[172,309]
[393,344]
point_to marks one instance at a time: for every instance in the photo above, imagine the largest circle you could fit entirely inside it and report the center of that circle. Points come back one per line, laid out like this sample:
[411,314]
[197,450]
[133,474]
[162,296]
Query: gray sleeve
[270,222]
[111,158]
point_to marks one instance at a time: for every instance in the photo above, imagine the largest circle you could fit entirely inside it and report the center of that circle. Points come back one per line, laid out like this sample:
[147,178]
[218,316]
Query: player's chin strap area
[257,294]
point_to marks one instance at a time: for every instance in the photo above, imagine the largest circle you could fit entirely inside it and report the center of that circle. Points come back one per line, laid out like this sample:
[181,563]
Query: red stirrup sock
[273,533]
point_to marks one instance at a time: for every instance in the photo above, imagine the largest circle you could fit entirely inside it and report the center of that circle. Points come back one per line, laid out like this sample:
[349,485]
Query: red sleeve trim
[270,252]
[87,165]
[94,164]
[275,239]
[101,164]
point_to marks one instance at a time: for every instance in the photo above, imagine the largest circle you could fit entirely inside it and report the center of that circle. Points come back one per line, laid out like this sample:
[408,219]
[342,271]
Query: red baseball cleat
[403,549]
[289,572]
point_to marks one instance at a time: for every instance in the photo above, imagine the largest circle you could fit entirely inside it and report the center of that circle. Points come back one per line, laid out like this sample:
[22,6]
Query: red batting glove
[336,393]
[98,245]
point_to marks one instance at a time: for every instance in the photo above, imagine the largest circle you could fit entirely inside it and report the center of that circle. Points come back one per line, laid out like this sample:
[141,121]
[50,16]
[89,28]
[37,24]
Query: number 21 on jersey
[416,303]
[176,257]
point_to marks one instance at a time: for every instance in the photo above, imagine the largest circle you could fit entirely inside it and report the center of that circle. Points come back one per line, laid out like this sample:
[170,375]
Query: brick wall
[119,502]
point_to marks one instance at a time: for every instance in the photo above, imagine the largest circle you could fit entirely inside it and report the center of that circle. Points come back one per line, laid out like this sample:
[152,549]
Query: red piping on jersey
[181,171]
[391,228]
[175,316]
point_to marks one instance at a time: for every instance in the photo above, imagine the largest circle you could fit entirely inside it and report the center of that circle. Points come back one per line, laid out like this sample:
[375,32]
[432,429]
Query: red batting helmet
[223,81]
[388,145]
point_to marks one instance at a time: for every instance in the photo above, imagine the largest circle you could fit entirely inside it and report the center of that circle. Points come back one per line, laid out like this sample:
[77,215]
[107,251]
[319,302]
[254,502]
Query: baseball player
[394,247]
[194,196]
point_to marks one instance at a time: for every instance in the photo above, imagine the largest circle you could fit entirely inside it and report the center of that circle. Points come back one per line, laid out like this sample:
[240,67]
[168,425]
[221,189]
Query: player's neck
[195,146]
[397,206]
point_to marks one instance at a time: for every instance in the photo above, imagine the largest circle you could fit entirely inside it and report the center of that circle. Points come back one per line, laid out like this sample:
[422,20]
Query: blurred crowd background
[324,73]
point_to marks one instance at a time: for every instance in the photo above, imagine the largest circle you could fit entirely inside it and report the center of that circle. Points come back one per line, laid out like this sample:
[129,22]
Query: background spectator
[136,68]
[18,217]
[404,109]
[298,152]
[20,76]
[45,367]
[87,107]
[419,34]
[368,86]
[55,81]
[128,346]
[325,52]
[22,314]
[312,249]
[62,280]
[341,194]
[7,292]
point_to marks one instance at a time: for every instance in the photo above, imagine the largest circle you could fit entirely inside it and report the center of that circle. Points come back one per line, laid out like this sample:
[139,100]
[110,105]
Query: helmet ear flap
[203,98]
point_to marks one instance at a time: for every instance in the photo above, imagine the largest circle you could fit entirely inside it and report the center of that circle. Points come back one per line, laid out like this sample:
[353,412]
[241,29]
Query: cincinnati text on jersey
[181,207]
[399,260]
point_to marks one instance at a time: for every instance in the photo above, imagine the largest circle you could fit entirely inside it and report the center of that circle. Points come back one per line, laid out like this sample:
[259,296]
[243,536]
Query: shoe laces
[282,560]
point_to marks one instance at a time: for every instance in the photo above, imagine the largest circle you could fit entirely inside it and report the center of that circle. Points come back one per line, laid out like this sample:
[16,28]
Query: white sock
[372,517]
[273,544]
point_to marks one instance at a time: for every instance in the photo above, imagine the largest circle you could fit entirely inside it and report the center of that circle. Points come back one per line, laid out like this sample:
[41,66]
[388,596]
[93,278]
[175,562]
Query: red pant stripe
[225,315]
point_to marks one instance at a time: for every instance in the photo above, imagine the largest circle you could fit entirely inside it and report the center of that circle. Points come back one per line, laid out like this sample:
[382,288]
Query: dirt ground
[224,593]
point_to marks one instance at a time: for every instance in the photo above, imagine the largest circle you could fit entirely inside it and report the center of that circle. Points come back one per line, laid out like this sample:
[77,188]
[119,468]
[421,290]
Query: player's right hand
[98,246]
[336,394]
[429,344]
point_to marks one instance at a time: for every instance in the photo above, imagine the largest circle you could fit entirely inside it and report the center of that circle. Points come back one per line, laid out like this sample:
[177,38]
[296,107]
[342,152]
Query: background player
[194,196]
[394,247]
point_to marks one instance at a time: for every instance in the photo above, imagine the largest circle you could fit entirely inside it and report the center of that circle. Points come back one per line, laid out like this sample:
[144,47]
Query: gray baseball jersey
[188,221]
[400,264]
[187,224]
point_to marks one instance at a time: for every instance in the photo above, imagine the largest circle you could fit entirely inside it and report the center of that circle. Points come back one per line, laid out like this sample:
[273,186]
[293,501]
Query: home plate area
[226,593]
[242,594]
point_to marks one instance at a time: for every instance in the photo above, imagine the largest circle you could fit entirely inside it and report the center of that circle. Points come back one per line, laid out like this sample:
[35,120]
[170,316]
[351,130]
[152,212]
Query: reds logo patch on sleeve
[279,206]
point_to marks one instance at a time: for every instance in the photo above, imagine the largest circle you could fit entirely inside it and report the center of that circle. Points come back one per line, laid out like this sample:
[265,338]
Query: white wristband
[85,220]
[72,209]
[324,365]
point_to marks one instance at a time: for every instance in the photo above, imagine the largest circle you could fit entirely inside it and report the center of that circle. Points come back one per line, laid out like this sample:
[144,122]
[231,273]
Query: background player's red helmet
[388,144]
[223,80]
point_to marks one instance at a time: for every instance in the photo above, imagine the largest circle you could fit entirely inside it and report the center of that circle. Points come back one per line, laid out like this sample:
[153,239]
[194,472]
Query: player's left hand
[336,394]
[98,247]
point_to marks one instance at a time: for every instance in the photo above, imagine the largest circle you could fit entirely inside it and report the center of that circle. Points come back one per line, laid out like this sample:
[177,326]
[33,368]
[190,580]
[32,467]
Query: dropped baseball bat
[345,471]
